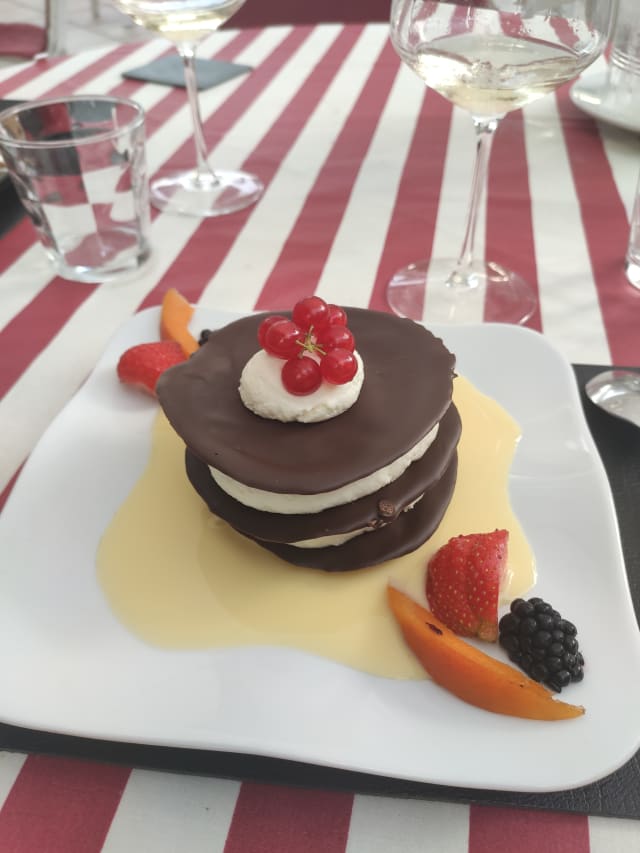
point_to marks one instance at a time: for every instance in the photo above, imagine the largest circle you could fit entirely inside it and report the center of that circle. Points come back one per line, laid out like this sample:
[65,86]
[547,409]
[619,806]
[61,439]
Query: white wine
[180,20]
[490,75]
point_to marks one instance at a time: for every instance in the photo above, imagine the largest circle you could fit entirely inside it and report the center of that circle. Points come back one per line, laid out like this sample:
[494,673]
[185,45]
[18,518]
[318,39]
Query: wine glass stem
[203,170]
[485,129]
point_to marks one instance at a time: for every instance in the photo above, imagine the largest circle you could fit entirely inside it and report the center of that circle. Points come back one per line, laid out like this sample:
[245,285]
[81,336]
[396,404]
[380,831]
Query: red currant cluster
[316,328]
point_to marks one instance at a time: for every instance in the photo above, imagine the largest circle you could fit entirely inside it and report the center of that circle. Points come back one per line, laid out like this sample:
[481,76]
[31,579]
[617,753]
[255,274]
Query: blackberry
[541,642]
[204,337]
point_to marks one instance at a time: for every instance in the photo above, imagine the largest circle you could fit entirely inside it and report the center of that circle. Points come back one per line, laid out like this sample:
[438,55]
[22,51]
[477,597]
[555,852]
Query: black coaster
[169,71]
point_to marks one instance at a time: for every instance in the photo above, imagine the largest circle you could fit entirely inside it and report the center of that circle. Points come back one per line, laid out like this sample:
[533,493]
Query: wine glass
[201,191]
[488,57]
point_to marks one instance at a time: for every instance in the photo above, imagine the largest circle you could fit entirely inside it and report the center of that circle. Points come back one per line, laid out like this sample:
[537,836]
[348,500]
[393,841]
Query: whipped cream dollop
[261,391]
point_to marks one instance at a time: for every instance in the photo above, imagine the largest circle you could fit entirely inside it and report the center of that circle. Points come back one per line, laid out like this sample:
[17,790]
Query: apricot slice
[470,674]
[175,316]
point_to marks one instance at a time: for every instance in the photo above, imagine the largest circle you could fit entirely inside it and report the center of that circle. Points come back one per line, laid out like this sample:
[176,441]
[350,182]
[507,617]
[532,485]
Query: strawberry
[463,583]
[142,364]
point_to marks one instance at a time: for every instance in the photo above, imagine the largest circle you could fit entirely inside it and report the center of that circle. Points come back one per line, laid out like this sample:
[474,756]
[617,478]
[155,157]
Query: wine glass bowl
[488,57]
[202,190]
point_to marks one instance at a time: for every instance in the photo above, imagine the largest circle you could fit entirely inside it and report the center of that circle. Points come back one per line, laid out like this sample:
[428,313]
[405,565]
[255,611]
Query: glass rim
[43,144]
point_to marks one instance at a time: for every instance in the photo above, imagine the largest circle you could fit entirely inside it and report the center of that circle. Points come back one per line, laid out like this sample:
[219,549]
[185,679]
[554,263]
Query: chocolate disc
[406,391]
[372,511]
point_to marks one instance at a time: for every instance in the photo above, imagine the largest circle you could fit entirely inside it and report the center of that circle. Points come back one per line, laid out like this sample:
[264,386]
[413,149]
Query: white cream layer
[341,538]
[289,504]
[261,391]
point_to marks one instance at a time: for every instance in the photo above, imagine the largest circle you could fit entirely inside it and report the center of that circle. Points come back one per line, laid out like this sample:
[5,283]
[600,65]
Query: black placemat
[11,210]
[617,795]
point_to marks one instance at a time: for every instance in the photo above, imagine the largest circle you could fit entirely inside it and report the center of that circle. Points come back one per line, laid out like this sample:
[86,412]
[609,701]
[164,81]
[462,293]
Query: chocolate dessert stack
[406,394]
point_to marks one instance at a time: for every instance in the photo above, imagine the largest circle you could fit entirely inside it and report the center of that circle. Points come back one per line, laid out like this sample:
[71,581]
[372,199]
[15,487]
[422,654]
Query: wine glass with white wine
[488,57]
[202,190]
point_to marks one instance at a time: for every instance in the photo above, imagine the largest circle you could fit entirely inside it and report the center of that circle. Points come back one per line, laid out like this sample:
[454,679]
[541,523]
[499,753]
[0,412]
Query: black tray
[617,795]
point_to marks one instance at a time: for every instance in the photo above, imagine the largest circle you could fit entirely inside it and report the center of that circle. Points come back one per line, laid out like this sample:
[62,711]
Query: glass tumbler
[78,166]
[632,260]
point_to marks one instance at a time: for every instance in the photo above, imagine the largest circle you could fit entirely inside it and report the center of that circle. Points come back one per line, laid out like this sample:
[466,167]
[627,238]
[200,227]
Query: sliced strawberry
[143,364]
[463,583]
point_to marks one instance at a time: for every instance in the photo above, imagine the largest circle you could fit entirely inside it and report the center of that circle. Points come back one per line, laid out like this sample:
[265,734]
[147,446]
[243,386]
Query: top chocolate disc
[407,389]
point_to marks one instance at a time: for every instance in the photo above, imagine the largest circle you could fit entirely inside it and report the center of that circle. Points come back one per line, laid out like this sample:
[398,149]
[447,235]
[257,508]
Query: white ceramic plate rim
[70,667]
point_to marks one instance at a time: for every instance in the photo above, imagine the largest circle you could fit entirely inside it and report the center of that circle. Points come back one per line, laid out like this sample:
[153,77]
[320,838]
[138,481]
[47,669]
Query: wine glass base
[191,194]
[427,290]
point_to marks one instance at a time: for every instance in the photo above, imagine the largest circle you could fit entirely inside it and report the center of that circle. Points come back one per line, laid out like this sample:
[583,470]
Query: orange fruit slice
[175,317]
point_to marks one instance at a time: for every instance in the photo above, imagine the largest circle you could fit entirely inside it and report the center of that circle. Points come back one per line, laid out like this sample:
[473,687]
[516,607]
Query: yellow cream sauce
[179,578]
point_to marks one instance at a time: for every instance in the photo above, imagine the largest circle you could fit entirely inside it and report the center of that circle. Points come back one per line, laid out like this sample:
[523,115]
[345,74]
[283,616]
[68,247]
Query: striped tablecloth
[364,171]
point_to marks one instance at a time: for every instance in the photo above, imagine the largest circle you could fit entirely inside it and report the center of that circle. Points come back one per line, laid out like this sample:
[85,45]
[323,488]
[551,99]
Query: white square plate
[69,666]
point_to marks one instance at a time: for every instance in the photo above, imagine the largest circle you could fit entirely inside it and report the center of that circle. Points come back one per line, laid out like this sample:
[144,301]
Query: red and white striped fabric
[60,805]
[364,171]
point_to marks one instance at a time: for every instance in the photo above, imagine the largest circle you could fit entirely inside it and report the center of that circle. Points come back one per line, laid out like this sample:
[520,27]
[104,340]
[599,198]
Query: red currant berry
[281,339]
[337,315]
[334,337]
[339,366]
[266,323]
[301,375]
[310,311]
